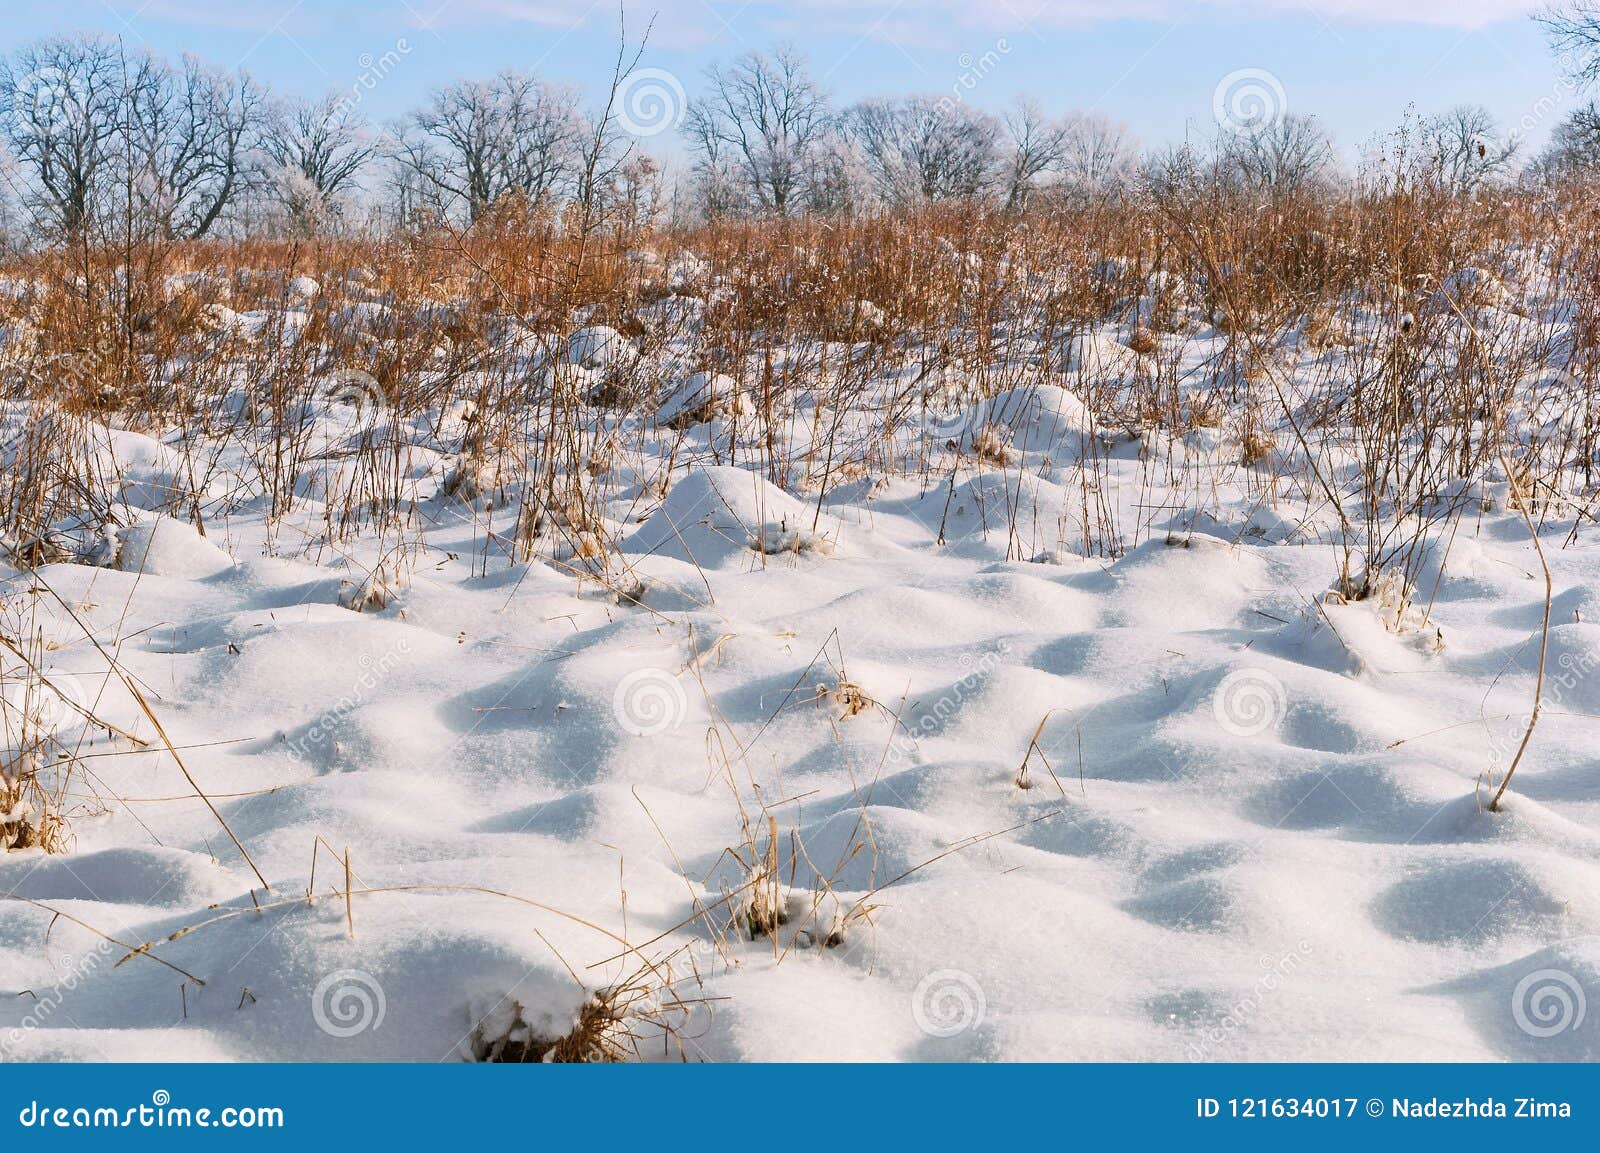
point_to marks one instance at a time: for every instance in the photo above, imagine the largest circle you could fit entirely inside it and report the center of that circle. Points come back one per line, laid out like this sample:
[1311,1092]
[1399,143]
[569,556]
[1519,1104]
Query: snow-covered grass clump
[895,640]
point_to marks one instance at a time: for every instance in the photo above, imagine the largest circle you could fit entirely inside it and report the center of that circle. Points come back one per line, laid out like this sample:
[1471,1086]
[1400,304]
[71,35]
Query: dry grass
[1356,366]
[213,340]
[1347,373]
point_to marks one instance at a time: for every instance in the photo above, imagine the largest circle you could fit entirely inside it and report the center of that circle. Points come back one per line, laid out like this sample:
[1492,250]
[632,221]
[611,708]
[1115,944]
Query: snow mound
[685,270]
[153,475]
[150,875]
[367,318]
[1535,1008]
[1040,417]
[1467,288]
[719,513]
[1570,665]
[701,398]
[599,347]
[1097,356]
[161,546]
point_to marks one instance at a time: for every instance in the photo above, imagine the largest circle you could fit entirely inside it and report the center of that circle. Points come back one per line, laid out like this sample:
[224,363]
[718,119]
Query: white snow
[597,347]
[161,546]
[1059,751]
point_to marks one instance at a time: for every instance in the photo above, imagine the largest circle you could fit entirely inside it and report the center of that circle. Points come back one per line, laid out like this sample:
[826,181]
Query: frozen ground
[1251,823]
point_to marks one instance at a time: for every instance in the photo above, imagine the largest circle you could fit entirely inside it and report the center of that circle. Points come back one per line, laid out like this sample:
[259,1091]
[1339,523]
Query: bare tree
[765,114]
[924,147]
[1097,153]
[59,114]
[1037,146]
[719,183]
[1171,172]
[1290,154]
[191,130]
[545,135]
[838,183]
[475,141]
[1574,31]
[607,160]
[615,185]
[641,193]
[1574,148]
[451,146]
[408,200]
[1466,149]
[319,148]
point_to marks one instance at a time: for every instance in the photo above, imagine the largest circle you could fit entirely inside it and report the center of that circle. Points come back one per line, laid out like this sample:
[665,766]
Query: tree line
[94,134]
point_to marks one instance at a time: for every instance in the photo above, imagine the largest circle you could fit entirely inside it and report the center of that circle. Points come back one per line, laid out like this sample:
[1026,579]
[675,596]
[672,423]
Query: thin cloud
[691,20]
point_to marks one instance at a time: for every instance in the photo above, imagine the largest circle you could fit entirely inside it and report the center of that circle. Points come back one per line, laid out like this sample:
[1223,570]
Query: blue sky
[1153,64]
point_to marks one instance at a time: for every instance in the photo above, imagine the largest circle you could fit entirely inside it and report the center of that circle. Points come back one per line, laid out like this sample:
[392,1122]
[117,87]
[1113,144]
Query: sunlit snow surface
[545,781]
